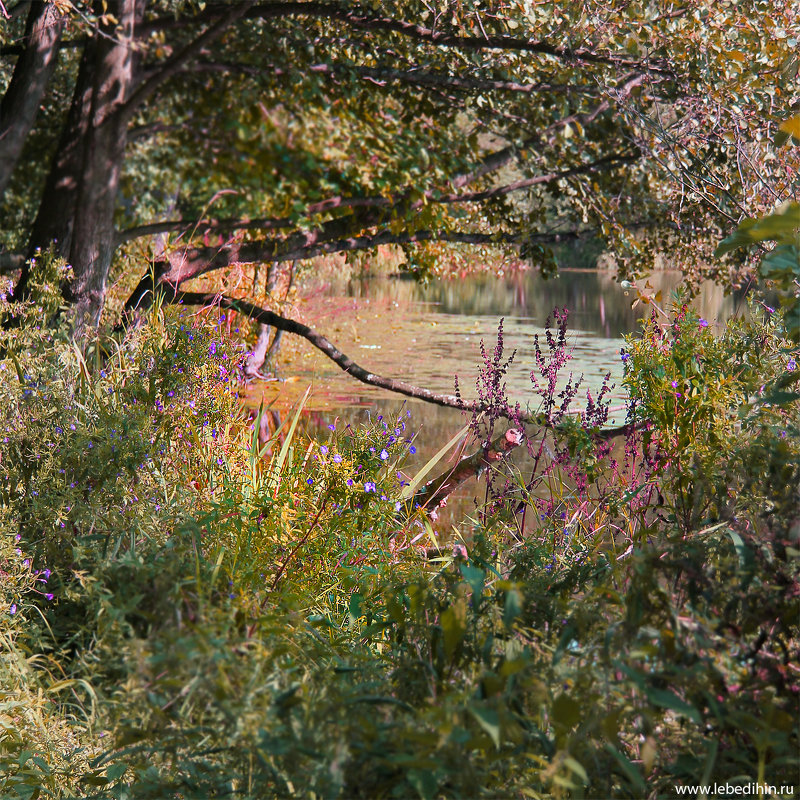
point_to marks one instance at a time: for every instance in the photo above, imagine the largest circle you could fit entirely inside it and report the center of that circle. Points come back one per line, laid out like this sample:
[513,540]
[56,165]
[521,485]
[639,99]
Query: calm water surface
[426,335]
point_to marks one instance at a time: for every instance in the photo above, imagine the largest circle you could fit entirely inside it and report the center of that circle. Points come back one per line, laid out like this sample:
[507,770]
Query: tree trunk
[55,217]
[92,241]
[262,349]
[32,72]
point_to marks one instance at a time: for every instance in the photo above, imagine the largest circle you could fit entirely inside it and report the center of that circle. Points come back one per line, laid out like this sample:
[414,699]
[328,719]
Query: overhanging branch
[346,363]
[378,202]
[321,343]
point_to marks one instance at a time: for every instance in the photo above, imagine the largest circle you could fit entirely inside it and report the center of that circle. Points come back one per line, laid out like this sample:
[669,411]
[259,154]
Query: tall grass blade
[410,490]
[277,466]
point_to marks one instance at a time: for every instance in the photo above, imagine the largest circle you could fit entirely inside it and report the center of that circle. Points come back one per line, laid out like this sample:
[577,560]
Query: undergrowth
[186,612]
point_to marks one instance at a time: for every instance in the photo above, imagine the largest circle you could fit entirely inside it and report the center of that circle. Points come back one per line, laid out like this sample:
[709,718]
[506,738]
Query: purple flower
[412,449]
[702,323]
[323,449]
[349,481]
[310,481]
[331,427]
[49,595]
[384,455]
[674,384]
[791,366]
[212,348]
[769,309]
[337,459]
[13,609]
[369,486]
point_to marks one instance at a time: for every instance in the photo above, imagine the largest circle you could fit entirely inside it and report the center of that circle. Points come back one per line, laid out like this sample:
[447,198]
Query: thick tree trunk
[92,243]
[32,72]
[55,217]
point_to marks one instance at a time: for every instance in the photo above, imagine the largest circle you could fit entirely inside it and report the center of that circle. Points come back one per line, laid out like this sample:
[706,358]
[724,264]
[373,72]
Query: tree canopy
[223,133]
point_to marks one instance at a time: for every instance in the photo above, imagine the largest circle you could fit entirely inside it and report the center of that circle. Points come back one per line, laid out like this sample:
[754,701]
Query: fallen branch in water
[435,493]
[344,361]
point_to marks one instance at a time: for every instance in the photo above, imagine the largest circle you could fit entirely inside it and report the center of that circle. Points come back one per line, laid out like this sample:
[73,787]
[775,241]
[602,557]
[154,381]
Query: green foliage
[198,614]
[781,264]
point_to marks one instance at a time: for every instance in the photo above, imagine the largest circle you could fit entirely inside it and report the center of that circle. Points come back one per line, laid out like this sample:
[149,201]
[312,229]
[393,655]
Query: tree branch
[416,32]
[349,366]
[382,76]
[276,223]
[189,51]
[21,101]
[320,342]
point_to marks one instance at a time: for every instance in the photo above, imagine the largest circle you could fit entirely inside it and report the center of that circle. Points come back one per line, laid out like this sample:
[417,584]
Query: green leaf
[629,770]
[577,768]
[488,719]
[512,607]
[354,608]
[116,771]
[475,578]
[664,698]
[565,712]
[424,781]
[453,622]
[780,227]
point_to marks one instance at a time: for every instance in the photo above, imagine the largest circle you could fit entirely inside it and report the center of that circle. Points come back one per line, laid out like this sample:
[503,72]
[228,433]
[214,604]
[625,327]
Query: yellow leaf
[791,126]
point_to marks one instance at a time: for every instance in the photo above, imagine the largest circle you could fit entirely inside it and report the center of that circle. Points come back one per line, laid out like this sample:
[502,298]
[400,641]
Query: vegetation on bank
[187,613]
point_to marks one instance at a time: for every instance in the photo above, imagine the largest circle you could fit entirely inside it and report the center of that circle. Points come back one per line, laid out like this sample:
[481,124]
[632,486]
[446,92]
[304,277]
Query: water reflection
[427,334]
[597,303]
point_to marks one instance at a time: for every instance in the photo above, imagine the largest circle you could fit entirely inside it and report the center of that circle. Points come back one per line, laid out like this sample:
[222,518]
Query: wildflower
[702,323]
[212,348]
[349,481]
[369,486]
[791,366]
[674,384]
[769,309]
[331,427]
[323,449]
[13,609]
[49,596]
[412,449]
[310,481]
[384,455]
[337,459]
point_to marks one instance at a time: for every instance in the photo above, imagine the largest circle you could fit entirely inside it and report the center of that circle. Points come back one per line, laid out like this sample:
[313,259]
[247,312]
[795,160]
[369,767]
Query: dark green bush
[187,615]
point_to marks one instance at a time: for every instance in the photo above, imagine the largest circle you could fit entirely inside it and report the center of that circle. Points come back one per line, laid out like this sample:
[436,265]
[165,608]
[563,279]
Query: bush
[189,613]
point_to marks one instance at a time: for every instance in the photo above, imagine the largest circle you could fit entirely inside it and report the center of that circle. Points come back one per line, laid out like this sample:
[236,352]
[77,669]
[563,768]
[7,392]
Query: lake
[426,335]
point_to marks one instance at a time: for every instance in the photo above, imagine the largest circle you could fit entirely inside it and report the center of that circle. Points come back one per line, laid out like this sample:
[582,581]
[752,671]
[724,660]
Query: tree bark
[92,244]
[55,217]
[32,72]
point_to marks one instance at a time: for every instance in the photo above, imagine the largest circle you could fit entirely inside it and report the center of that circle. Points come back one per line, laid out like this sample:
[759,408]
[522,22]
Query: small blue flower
[791,366]
[369,486]
[310,481]
[384,455]
[412,449]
